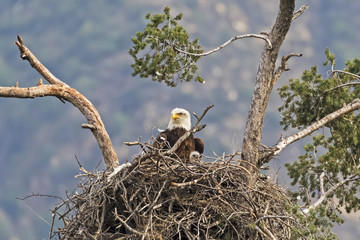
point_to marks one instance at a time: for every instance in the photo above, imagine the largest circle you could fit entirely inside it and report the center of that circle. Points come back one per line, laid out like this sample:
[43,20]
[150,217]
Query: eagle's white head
[180,118]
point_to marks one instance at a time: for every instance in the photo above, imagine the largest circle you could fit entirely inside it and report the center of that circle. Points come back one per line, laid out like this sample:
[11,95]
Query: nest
[159,197]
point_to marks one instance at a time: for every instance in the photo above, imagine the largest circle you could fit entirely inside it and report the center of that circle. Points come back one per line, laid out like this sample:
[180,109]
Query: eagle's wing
[199,145]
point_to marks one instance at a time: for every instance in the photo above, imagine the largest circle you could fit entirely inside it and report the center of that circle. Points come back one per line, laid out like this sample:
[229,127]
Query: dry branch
[324,195]
[261,36]
[354,105]
[59,89]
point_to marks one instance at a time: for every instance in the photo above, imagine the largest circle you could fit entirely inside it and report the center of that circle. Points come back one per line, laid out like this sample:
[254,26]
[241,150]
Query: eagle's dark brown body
[168,138]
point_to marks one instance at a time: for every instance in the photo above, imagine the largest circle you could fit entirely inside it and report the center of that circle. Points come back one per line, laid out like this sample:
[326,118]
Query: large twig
[62,91]
[354,105]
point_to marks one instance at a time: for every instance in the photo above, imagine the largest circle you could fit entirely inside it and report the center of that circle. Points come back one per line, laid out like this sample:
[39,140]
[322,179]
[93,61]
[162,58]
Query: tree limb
[261,36]
[354,105]
[343,85]
[324,195]
[59,89]
[348,73]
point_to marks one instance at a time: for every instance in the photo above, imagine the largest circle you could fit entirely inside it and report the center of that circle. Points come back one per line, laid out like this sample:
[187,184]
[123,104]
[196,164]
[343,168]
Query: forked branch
[59,89]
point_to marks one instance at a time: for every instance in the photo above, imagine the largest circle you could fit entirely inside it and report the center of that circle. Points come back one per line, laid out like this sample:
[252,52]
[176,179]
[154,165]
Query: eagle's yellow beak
[175,116]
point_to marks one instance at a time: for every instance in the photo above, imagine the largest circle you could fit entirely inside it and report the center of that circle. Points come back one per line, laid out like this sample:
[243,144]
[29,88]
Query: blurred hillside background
[86,44]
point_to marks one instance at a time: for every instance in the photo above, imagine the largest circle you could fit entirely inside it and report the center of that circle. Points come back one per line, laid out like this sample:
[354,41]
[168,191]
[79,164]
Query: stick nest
[159,197]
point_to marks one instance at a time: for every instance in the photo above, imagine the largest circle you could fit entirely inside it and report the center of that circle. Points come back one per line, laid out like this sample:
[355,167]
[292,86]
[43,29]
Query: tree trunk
[265,81]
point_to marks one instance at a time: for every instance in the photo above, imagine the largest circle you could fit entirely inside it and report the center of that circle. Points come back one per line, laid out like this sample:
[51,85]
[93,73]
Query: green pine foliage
[156,51]
[317,225]
[336,152]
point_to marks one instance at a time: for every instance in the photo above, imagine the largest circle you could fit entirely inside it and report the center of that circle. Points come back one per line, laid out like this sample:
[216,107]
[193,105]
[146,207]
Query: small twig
[89,126]
[132,143]
[126,225]
[184,184]
[268,232]
[156,198]
[53,215]
[87,173]
[41,195]
[102,218]
[272,216]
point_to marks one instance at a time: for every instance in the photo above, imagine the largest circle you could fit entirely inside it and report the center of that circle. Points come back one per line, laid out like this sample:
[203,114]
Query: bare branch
[355,104]
[26,54]
[324,195]
[261,36]
[348,73]
[333,72]
[343,85]
[64,92]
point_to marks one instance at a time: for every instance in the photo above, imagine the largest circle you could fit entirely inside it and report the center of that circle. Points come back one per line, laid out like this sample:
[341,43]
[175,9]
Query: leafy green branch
[328,181]
[157,46]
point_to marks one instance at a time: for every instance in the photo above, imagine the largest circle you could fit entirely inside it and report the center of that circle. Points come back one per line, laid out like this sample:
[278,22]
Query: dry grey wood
[59,89]
[354,105]
[264,84]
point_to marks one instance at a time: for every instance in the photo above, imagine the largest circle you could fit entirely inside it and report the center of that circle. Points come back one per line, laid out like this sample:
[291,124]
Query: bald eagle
[179,124]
